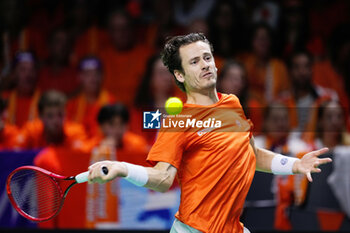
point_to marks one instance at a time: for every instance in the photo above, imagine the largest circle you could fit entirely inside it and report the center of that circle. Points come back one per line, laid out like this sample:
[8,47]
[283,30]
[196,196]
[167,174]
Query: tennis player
[215,169]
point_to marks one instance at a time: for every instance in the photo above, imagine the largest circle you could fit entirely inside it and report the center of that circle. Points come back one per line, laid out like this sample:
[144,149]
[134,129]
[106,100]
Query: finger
[89,177]
[95,174]
[94,165]
[324,160]
[308,175]
[320,151]
[316,170]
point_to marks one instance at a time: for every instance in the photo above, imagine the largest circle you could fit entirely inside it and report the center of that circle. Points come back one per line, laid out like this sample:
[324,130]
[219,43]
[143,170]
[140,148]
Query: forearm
[268,161]
[161,177]
[158,178]
[264,159]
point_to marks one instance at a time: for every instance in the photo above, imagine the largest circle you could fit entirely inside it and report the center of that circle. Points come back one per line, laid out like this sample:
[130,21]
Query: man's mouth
[207,74]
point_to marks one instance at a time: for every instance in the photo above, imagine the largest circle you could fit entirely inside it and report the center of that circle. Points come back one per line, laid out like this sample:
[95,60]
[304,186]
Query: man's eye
[207,58]
[193,62]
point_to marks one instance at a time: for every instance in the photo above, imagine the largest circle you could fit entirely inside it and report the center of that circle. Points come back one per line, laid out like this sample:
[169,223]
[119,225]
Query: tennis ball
[173,106]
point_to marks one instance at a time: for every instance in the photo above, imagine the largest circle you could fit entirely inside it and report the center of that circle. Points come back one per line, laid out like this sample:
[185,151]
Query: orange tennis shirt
[215,165]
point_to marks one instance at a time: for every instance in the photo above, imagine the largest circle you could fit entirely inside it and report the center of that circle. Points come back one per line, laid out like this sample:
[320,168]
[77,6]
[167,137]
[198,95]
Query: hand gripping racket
[37,194]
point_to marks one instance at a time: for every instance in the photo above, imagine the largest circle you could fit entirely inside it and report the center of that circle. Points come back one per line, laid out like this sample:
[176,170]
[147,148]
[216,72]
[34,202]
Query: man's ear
[179,76]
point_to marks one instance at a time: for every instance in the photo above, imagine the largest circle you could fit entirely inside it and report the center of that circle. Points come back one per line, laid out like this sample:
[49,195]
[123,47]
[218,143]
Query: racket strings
[35,193]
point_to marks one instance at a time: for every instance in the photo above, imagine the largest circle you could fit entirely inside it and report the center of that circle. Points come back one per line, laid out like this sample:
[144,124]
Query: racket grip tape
[82,177]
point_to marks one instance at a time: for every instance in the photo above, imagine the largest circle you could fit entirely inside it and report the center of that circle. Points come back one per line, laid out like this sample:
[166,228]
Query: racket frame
[55,177]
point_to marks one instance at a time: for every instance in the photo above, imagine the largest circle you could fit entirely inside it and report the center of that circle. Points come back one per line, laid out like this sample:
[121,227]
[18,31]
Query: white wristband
[137,175]
[282,165]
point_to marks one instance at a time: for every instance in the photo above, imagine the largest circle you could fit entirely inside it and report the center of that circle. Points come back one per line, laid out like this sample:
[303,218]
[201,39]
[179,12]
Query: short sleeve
[239,109]
[169,148]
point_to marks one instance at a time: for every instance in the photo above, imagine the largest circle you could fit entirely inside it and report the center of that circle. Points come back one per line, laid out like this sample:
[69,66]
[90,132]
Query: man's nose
[205,65]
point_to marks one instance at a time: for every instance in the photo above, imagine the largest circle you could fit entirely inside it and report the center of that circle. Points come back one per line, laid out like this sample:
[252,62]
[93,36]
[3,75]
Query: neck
[301,91]
[203,98]
[262,60]
[91,96]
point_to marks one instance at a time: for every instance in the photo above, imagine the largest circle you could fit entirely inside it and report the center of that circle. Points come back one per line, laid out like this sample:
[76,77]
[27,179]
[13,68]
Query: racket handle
[82,177]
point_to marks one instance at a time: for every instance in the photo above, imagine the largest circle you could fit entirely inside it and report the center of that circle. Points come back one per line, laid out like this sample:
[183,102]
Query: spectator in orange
[62,154]
[51,127]
[305,93]
[267,76]
[57,73]
[115,143]
[233,80]
[8,133]
[23,99]
[330,131]
[156,87]
[121,79]
[84,108]
[277,138]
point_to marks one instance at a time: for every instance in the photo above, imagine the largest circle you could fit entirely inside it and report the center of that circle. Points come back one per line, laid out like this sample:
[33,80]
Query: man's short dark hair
[298,53]
[110,111]
[171,56]
[51,98]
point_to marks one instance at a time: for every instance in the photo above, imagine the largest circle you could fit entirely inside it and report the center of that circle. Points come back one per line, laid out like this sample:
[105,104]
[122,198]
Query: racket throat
[67,190]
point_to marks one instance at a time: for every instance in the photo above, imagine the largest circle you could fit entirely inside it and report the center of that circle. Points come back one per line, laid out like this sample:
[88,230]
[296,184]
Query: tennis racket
[44,195]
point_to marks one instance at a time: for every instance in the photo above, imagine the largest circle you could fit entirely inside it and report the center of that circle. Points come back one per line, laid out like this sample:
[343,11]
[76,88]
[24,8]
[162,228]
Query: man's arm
[158,178]
[268,161]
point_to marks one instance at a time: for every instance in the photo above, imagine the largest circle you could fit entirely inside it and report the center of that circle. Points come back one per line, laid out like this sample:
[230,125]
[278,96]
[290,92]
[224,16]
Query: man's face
[333,118]
[233,81]
[90,80]
[53,119]
[120,32]
[277,123]
[114,129]
[162,80]
[301,70]
[25,76]
[199,71]
[261,42]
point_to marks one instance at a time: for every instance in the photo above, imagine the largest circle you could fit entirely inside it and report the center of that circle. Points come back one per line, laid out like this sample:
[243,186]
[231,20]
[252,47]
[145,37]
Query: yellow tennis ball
[173,106]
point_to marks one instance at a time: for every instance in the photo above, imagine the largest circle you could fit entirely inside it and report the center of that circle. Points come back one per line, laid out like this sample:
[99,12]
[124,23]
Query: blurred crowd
[76,76]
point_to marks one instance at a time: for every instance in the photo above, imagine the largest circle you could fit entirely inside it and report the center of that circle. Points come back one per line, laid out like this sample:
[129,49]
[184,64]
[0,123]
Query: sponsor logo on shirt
[204,131]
